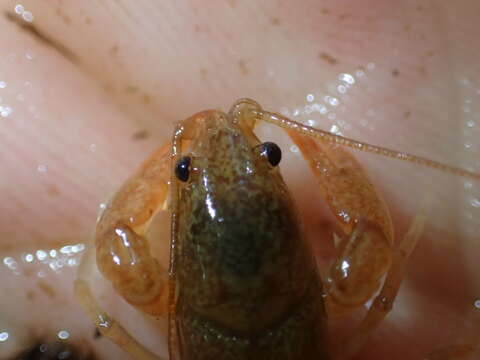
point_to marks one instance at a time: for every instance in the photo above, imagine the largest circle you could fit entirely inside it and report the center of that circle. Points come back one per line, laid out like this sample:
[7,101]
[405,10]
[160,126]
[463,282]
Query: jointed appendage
[367,250]
[383,302]
[122,253]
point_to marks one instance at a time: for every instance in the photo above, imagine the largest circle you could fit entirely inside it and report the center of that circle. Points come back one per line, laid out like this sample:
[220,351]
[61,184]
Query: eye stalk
[182,168]
[272,152]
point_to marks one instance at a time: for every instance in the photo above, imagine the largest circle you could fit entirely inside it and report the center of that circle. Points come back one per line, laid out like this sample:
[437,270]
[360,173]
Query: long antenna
[326,136]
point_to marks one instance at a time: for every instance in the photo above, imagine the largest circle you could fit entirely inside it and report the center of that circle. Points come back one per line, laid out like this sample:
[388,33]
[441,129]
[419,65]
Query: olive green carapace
[247,284]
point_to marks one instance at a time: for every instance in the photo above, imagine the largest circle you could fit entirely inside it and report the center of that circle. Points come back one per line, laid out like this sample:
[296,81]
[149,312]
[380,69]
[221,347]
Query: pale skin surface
[143,67]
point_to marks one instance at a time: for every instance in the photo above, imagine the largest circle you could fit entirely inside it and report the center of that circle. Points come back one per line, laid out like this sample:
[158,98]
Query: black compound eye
[272,152]
[182,168]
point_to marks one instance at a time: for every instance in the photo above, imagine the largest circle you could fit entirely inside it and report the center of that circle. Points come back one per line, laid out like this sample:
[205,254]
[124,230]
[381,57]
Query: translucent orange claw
[123,252]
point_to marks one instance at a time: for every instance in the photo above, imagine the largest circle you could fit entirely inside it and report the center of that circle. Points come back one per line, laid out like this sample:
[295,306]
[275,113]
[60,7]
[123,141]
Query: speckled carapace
[247,287]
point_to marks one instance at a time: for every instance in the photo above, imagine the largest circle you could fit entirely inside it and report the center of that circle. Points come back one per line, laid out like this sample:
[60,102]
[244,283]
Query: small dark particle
[131,89]
[140,135]
[54,351]
[97,334]
[242,65]
[407,114]
[52,190]
[66,19]
[46,288]
[422,70]
[114,50]
[343,16]
[275,21]
[325,11]
[88,20]
[395,72]
[30,295]
[147,99]
[328,58]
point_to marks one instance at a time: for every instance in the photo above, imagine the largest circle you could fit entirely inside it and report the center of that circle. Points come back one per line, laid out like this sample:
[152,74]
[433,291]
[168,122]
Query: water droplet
[360,73]
[27,16]
[3,336]
[310,97]
[67,249]
[370,66]
[29,56]
[307,109]
[41,255]
[331,115]
[42,168]
[311,122]
[29,258]
[3,84]
[78,248]
[53,253]
[347,78]
[477,303]
[92,148]
[468,145]
[5,111]
[470,123]
[63,334]
[294,149]
[333,101]
[475,202]
[467,185]
[72,262]
[341,89]
[19,9]
[465,81]
[10,263]
[335,130]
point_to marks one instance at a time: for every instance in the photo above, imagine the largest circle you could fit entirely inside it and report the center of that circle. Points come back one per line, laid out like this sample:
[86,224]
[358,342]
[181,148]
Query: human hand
[85,105]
